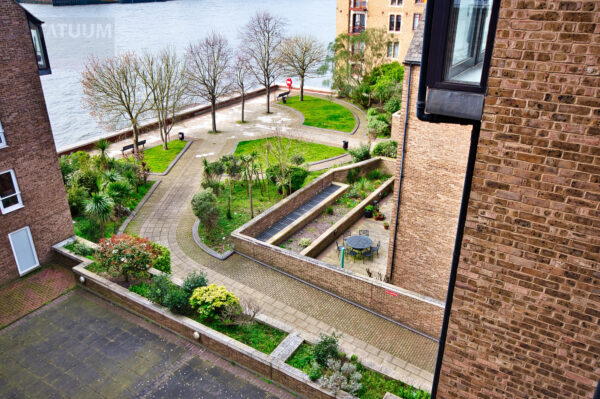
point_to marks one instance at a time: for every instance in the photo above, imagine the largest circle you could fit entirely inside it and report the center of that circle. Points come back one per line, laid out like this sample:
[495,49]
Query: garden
[360,188]
[333,370]
[322,113]
[102,191]
[126,260]
[259,174]
[158,159]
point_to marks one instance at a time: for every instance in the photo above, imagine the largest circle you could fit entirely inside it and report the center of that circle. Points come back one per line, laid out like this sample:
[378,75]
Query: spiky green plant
[100,207]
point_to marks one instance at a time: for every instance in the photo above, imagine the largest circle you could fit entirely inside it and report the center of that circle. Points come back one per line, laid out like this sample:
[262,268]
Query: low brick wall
[416,311]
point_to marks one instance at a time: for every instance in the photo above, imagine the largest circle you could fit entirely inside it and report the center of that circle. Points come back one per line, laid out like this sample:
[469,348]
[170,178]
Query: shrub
[159,288]
[361,153]
[352,175]
[204,205]
[393,104]
[298,176]
[329,210]
[193,281]
[298,159]
[386,149]
[131,256]
[378,126]
[77,196]
[304,242]
[375,175]
[82,249]
[176,300]
[372,112]
[141,289]
[162,258]
[315,371]
[326,348]
[210,301]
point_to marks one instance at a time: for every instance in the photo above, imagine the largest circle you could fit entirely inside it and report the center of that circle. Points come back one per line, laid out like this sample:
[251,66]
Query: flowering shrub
[127,255]
[211,301]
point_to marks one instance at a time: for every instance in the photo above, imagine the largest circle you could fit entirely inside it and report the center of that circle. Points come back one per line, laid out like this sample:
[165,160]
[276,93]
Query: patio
[377,233]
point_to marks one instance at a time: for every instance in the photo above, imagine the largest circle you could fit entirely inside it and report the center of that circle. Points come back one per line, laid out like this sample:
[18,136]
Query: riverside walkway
[167,218]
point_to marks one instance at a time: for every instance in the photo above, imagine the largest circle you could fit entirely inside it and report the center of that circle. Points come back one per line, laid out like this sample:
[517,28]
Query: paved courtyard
[167,218]
[81,346]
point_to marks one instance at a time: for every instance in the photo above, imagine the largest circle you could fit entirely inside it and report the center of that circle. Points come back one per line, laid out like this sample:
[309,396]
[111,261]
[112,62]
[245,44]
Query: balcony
[356,29]
[358,5]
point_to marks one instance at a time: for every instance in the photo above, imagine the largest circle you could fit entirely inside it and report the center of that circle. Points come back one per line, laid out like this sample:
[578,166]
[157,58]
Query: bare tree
[164,77]
[242,76]
[302,56]
[262,37]
[114,91]
[208,64]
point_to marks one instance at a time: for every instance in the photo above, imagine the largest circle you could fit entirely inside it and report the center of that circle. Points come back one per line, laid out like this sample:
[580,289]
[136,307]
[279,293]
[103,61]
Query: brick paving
[81,346]
[168,219]
[27,294]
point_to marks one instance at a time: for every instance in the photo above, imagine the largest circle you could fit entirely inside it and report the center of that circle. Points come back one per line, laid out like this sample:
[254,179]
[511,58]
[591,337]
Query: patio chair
[376,249]
[353,254]
[363,233]
[367,254]
[338,248]
[346,235]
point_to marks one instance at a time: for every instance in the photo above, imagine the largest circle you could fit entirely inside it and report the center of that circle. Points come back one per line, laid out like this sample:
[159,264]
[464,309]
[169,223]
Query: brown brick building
[398,17]
[523,308]
[34,213]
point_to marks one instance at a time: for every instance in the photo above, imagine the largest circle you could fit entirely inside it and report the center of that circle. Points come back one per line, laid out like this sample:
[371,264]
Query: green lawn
[88,229]
[218,238]
[158,160]
[257,335]
[311,152]
[323,113]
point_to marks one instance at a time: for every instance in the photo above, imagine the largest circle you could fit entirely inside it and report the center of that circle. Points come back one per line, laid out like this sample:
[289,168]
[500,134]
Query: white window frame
[17,194]
[37,261]
[2,138]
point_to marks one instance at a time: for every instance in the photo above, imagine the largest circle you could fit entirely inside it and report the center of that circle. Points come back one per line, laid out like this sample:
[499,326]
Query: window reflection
[467,36]
[38,46]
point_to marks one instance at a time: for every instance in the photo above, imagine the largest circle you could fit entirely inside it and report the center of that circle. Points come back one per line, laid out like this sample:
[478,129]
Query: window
[416,20]
[395,23]
[393,48]
[23,250]
[358,23]
[395,2]
[10,196]
[2,139]
[39,45]
[466,42]
[419,1]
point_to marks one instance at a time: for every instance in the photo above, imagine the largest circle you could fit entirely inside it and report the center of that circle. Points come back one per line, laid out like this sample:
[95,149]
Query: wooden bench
[130,146]
[283,96]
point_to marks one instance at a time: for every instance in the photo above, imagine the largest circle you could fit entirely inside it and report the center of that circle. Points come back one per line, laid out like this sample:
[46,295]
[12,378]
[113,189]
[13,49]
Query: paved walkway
[167,218]
[81,346]
[29,293]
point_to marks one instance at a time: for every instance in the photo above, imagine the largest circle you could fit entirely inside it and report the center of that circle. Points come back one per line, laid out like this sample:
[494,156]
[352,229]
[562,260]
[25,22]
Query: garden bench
[130,146]
[283,96]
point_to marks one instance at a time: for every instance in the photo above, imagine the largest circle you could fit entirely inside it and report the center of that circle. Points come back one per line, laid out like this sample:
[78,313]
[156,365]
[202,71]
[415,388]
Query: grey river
[74,33]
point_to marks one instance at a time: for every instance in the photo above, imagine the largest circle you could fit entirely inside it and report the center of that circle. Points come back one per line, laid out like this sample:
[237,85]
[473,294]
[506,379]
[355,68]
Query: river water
[75,33]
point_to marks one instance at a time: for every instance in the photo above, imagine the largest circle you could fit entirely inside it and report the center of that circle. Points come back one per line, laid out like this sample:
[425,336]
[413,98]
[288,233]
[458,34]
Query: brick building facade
[398,17]
[422,240]
[27,153]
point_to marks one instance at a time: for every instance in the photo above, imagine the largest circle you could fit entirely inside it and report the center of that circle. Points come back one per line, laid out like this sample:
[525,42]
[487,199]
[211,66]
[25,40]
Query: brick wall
[526,310]
[30,152]
[434,170]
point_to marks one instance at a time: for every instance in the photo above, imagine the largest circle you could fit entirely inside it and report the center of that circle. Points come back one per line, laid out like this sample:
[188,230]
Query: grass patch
[374,384]
[256,335]
[218,238]
[89,229]
[323,113]
[158,160]
[302,358]
[311,152]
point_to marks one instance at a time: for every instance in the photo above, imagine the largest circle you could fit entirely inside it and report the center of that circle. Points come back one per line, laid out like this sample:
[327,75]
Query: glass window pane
[398,21]
[391,22]
[6,185]
[10,201]
[396,47]
[467,35]
[37,46]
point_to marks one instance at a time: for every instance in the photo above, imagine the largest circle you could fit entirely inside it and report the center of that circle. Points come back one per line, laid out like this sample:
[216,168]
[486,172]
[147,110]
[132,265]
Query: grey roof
[413,55]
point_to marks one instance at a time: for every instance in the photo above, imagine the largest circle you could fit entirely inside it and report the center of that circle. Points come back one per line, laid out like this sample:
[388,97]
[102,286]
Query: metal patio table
[359,243]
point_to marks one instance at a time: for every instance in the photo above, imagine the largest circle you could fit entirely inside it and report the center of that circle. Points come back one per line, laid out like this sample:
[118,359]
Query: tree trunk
[302,89]
[268,99]
[135,138]
[213,113]
[243,103]
[250,195]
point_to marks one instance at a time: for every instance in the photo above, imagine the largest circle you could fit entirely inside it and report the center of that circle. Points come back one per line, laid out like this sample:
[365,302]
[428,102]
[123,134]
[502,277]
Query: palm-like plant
[100,207]
[248,161]
[103,145]
[232,168]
